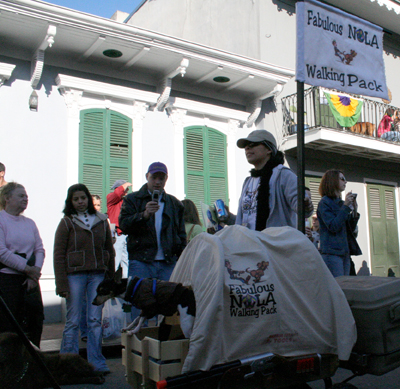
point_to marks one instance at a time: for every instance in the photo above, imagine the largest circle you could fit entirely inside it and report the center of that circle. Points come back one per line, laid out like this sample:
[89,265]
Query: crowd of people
[144,232]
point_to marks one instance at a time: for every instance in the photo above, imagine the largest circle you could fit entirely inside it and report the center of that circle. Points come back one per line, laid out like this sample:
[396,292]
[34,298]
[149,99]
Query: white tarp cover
[259,292]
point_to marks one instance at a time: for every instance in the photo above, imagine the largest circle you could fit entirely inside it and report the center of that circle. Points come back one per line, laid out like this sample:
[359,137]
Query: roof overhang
[148,58]
[384,13]
[345,143]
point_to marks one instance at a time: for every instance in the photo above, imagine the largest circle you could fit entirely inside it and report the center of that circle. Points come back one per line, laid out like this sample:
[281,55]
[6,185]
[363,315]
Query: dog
[18,370]
[259,272]
[349,57]
[364,128]
[153,297]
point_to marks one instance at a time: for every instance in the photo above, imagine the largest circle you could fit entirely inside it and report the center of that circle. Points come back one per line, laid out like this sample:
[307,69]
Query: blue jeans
[337,264]
[81,284]
[83,321]
[157,269]
[121,254]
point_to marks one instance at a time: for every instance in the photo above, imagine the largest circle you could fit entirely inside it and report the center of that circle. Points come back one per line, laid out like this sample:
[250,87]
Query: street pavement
[389,380]
[114,380]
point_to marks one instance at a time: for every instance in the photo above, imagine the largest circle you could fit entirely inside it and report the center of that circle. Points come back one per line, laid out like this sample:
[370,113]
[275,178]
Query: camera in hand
[155,196]
[354,196]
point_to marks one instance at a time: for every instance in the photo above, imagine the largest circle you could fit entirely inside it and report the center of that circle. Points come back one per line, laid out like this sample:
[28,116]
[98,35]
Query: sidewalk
[52,336]
[51,341]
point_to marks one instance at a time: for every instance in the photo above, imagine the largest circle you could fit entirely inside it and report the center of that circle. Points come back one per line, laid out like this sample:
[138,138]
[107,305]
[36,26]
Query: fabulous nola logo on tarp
[339,51]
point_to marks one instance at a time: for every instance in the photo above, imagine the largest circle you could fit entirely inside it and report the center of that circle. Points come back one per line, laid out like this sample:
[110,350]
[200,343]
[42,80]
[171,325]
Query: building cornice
[58,15]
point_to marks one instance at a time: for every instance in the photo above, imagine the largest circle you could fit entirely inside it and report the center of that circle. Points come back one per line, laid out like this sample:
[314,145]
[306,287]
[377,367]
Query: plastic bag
[114,318]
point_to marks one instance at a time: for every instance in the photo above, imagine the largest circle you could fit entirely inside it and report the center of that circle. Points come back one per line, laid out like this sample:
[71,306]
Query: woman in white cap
[269,195]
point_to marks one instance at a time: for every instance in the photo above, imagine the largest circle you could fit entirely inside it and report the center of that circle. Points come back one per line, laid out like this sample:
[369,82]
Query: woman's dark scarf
[263,190]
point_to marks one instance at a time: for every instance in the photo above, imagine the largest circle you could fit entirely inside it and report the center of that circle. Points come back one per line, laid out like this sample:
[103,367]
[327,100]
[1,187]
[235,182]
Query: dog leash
[51,380]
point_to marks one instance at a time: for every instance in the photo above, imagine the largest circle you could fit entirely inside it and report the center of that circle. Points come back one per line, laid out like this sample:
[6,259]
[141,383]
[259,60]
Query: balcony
[323,132]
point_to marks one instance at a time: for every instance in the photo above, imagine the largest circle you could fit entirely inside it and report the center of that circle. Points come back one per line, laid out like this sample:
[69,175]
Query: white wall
[33,149]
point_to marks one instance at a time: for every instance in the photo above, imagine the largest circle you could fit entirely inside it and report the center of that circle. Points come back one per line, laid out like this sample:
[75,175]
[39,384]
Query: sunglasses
[342,179]
[254,144]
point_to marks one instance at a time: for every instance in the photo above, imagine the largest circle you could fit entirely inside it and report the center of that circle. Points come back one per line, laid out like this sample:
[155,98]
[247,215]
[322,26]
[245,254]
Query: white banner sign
[339,51]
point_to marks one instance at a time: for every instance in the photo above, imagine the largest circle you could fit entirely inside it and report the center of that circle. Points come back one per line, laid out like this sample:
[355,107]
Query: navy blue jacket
[142,238]
[336,227]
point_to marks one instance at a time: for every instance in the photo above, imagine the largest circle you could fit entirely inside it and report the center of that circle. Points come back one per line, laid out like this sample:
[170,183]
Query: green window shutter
[206,177]
[218,172]
[313,184]
[92,150]
[120,146]
[104,150]
[194,166]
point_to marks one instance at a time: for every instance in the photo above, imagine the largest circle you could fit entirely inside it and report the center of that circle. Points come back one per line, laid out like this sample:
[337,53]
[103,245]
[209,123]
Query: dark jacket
[336,227]
[78,248]
[142,238]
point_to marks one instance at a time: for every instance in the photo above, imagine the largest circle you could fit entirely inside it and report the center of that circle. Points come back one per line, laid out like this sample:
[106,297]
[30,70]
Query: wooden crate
[147,360]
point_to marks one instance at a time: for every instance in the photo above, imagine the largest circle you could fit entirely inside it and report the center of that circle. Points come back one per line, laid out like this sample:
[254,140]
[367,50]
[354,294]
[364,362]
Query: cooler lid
[370,290]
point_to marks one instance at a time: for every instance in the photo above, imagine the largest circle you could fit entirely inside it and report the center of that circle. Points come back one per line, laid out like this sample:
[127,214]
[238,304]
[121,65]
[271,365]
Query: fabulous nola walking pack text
[354,33]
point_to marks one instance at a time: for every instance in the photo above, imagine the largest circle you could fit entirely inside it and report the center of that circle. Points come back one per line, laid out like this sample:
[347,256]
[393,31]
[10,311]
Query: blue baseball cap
[157,167]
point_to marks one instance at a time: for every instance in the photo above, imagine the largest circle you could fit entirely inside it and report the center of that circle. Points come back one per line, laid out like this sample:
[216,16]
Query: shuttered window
[104,150]
[206,173]
[313,184]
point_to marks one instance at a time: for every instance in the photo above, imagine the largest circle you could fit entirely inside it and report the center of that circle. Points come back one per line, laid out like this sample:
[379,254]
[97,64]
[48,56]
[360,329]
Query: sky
[104,8]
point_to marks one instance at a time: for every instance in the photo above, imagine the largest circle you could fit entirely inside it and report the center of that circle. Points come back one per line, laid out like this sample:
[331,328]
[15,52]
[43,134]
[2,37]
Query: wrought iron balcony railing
[377,119]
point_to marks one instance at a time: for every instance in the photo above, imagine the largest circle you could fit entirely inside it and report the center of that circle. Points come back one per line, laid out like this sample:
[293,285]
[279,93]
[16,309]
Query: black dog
[18,370]
[153,297]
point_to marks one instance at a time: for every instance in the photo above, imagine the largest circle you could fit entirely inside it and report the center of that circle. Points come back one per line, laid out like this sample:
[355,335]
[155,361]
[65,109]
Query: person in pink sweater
[21,252]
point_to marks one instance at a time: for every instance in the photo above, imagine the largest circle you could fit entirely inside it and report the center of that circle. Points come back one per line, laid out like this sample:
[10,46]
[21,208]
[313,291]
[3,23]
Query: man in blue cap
[153,221]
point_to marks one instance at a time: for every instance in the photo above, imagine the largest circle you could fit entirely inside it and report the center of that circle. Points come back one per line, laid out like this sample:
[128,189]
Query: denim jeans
[83,321]
[81,284]
[337,264]
[157,269]
[121,254]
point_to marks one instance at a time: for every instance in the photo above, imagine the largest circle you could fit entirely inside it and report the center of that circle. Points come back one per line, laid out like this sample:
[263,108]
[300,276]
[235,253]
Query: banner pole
[300,157]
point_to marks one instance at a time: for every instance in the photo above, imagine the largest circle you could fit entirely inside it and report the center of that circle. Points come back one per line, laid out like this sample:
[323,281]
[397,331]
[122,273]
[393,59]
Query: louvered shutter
[194,166]
[92,150]
[206,178]
[313,184]
[218,175]
[391,222]
[383,229]
[119,141]
[105,150]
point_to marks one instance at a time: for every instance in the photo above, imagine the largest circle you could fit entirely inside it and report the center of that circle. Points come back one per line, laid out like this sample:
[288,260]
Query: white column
[73,101]
[233,126]
[177,117]
[139,112]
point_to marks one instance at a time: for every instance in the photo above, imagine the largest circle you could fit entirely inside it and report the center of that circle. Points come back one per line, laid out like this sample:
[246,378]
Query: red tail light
[305,365]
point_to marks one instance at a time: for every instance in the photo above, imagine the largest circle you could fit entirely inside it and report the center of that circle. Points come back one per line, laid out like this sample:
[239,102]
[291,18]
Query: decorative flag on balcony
[345,109]
[339,51]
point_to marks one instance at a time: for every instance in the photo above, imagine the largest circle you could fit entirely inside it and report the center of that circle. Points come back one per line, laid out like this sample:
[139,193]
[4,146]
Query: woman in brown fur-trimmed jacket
[83,253]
